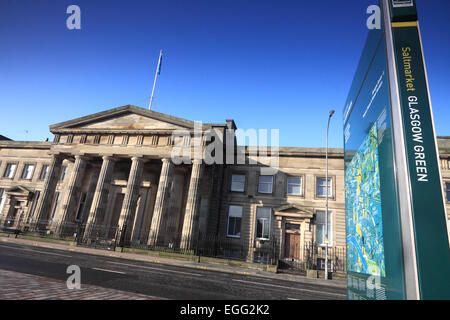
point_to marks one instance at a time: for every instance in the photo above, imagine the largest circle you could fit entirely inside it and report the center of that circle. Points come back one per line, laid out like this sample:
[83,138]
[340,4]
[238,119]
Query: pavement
[21,286]
[145,277]
[178,263]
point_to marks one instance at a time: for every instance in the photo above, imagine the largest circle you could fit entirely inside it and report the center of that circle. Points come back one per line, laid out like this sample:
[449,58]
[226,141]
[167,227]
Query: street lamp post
[326,205]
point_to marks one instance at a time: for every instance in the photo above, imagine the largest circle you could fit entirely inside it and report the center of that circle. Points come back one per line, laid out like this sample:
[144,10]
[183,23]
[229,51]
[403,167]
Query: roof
[4,138]
[25,144]
[125,110]
[297,151]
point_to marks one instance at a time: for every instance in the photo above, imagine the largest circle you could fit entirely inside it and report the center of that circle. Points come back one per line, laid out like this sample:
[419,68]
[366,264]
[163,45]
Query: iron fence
[309,256]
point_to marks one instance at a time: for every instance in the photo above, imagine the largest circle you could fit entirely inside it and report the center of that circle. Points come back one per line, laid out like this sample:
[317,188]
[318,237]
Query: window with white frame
[44,172]
[27,171]
[320,228]
[447,187]
[238,182]
[265,184]
[263,216]
[10,170]
[321,186]
[234,221]
[294,186]
[2,199]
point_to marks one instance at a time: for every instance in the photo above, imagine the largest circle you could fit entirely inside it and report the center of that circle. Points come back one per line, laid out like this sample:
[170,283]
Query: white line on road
[291,288]
[52,253]
[153,268]
[106,270]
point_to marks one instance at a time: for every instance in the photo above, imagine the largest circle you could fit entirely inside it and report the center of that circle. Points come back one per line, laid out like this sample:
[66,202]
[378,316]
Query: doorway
[292,246]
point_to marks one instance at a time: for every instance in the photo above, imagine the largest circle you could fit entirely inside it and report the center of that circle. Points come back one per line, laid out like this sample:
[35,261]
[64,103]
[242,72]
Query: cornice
[123,110]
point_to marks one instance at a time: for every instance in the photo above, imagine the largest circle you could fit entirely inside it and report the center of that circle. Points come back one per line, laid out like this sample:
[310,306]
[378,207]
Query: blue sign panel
[374,248]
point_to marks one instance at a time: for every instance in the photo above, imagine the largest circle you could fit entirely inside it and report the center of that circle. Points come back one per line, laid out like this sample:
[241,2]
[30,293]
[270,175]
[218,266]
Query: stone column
[73,188]
[192,206]
[45,201]
[130,199]
[161,202]
[100,199]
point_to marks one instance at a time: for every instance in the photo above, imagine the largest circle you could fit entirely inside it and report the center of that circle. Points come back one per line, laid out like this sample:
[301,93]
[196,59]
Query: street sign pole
[426,256]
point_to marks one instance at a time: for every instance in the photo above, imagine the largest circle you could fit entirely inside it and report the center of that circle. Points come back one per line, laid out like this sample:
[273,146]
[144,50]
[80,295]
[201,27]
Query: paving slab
[21,286]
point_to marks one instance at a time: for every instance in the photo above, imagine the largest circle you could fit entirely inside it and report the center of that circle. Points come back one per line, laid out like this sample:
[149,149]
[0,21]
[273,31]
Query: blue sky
[265,64]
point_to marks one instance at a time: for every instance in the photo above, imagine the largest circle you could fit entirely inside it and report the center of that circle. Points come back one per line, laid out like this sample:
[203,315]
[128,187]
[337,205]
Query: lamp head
[331,113]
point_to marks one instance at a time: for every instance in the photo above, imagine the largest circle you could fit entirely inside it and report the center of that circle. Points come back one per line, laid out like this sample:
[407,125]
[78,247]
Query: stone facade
[114,173]
[444,153]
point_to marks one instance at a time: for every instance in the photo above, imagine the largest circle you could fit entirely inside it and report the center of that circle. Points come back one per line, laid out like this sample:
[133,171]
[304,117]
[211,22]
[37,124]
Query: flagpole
[156,78]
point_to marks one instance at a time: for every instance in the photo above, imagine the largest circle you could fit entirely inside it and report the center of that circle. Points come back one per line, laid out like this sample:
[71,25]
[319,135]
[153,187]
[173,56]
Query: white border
[401,168]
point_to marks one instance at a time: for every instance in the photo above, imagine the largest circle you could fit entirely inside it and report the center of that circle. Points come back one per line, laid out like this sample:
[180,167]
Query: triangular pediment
[125,118]
[128,121]
[19,190]
[292,210]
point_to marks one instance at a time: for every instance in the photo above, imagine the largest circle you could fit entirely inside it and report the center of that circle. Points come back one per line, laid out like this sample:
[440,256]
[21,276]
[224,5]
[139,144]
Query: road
[157,280]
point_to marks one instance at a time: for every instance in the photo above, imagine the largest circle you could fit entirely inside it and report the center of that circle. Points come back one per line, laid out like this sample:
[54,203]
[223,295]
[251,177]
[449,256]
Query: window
[265,184]
[81,207]
[27,171]
[263,223]
[234,221]
[320,227]
[63,173]
[321,186]
[20,203]
[55,205]
[44,172]
[2,199]
[238,182]
[447,187]
[294,186]
[10,170]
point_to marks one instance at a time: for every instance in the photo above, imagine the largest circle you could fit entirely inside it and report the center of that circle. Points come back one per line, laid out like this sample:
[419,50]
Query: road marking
[292,298]
[107,270]
[153,268]
[38,251]
[291,288]
[55,254]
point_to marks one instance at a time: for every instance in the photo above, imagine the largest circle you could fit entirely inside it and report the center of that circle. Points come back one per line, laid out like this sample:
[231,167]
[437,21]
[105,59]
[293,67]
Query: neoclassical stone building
[114,173]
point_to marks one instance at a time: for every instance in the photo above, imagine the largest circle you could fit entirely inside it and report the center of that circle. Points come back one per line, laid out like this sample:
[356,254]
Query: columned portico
[130,200]
[73,188]
[166,205]
[161,202]
[190,227]
[45,201]
[100,199]
[106,202]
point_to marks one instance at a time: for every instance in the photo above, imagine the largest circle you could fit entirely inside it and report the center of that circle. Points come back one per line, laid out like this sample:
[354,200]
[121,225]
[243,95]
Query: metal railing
[98,236]
[309,256]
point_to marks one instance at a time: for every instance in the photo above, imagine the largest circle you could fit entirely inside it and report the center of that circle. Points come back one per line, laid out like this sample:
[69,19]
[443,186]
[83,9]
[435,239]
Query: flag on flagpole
[159,63]
[158,72]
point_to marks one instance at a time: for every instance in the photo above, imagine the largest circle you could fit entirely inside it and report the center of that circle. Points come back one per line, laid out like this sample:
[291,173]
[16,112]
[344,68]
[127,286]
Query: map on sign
[365,249]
